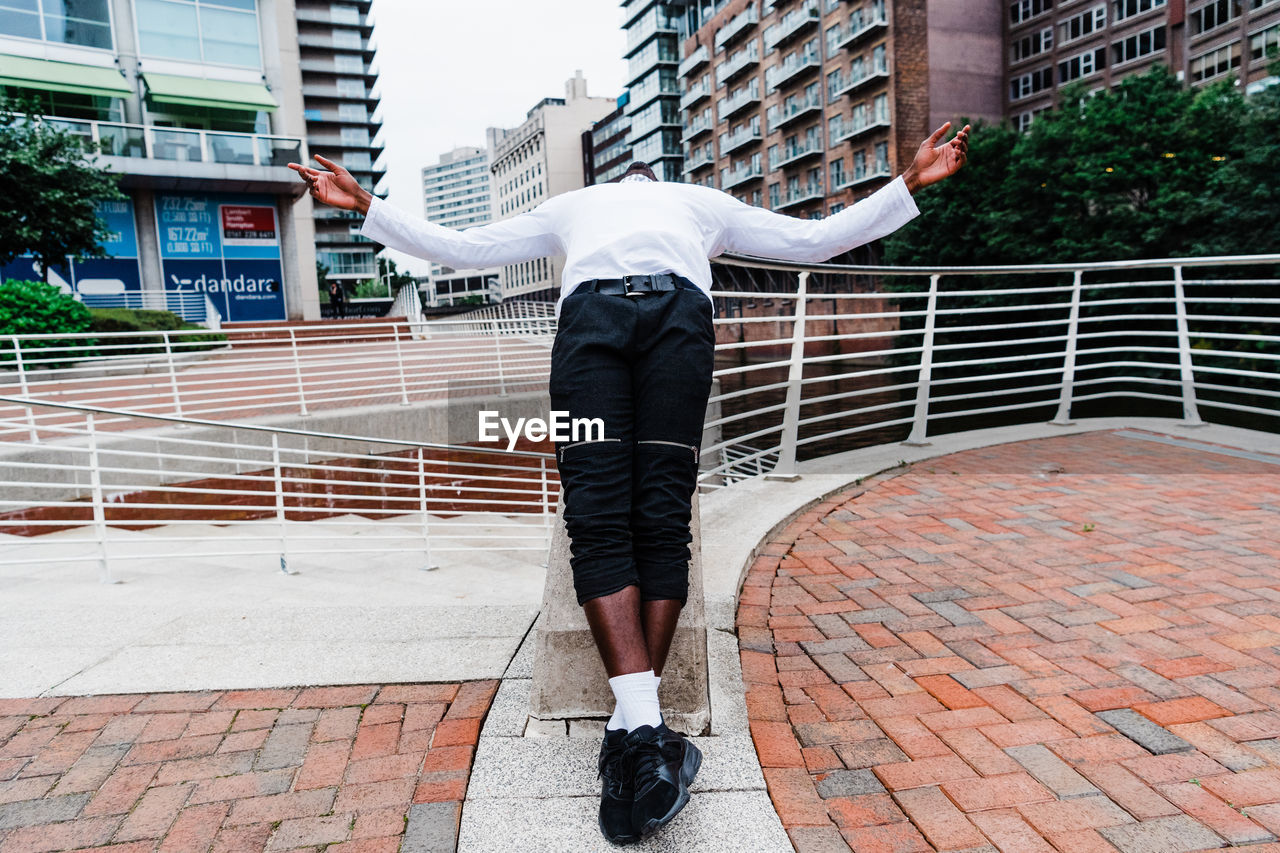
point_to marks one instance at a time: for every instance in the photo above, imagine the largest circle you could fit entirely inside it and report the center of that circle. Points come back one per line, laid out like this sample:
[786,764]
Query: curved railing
[811,359]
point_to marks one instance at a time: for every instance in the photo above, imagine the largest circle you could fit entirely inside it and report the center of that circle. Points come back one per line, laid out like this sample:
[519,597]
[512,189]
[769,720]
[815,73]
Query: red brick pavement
[234,771]
[1066,644]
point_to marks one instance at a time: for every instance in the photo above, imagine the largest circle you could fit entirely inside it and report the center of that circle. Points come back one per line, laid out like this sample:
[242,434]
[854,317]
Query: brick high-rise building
[1052,45]
[804,106]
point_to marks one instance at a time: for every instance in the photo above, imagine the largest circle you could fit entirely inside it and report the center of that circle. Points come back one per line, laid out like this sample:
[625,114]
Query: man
[634,347]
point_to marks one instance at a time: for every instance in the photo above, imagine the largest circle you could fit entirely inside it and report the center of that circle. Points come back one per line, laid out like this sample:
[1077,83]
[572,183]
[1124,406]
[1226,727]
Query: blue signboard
[224,245]
[114,274]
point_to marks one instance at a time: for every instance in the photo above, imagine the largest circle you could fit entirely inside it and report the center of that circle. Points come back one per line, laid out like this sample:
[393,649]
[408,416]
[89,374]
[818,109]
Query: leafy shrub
[107,320]
[36,308]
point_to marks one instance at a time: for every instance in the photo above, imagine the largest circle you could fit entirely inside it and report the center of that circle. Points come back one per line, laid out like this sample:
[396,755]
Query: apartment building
[606,147]
[458,193]
[1100,42]
[197,104]
[539,159]
[804,106]
[653,54]
[339,104]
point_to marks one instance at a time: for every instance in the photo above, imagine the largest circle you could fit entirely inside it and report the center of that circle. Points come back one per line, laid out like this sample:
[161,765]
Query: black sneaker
[617,790]
[659,793]
[680,753]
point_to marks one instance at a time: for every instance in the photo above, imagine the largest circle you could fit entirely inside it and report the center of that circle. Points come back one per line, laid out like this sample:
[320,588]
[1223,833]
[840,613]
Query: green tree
[388,272]
[49,187]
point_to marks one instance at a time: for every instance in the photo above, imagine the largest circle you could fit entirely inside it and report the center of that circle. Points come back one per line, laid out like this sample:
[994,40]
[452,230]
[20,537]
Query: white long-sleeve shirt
[642,227]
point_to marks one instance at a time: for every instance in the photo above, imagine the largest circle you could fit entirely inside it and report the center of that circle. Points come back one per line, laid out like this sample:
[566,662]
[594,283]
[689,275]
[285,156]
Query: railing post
[280,514]
[1063,417]
[297,372]
[422,504]
[173,378]
[920,422]
[497,347]
[547,511]
[99,503]
[786,467]
[22,385]
[404,387]
[1190,412]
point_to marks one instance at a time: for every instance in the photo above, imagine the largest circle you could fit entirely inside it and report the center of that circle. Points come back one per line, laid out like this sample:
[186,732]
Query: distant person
[634,347]
[338,299]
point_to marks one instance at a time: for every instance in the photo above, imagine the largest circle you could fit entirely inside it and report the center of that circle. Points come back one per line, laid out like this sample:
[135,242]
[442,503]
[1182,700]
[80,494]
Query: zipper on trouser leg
[689,447]
[560,450]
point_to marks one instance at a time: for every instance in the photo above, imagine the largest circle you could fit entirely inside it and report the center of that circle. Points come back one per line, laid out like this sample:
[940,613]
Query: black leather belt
[637,285]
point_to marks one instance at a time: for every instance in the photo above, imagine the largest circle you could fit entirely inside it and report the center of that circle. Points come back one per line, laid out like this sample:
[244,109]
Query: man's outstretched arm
[756,231]
[520,238]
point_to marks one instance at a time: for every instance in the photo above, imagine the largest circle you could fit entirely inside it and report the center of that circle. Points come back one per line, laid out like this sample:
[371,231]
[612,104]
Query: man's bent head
[637,169]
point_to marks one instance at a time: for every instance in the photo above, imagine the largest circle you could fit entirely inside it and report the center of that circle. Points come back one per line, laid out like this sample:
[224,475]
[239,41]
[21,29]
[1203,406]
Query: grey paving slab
[739,821]
[1140,730]
[511,768]
[432,828]
[509,709]
[1163,835]
[248,665]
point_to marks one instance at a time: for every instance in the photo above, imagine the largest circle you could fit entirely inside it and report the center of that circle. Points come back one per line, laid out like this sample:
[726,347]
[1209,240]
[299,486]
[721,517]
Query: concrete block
[569,680]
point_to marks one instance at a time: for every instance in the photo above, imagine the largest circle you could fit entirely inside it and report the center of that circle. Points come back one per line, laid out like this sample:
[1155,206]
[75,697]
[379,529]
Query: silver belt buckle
[626,285]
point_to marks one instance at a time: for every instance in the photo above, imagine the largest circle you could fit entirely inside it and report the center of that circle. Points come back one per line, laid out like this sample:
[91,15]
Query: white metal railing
[741,97]
[189,305]
[741,59]
[788,68]
[119,139]
[693,61]
[811,359]
[276,496]
[694,93]
[791,23]
[739,23]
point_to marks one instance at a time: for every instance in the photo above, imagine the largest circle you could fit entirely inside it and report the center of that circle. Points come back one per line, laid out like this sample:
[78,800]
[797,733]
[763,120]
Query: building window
[86,23]
[836,171]
[1032,45]
[1214,15]
[1261,44]
[1128,8]
[859,165]
[1138,45]
[882,158]
[1025,10]
[1086,23]
[1216,62]
[775,195]
[1089,62]
[881,107]
[1026,85]
[205,31]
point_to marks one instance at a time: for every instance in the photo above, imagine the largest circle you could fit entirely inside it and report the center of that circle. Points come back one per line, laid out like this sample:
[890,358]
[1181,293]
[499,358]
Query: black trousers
[642,365]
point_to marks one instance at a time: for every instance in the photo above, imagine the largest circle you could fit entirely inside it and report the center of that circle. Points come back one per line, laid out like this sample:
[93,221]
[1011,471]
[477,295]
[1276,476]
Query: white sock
[657,682]
[637,696]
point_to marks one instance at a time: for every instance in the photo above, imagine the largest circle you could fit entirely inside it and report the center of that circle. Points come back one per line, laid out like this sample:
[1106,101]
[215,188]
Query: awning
[199,92]
[28,73]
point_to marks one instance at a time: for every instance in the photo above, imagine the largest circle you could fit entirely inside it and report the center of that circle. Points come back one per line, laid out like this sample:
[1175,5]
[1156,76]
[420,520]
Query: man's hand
[932,164]
[335,187]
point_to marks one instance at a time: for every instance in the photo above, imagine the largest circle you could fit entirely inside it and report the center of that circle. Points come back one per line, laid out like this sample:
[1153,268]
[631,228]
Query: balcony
[696,160]
[739,101]
[857,29]
[693,94]
[746,58]
[795,153]
[644,95]
[737,26]
[799,195]
[358,93]
[853,83]
[694,61]
[327,66]
[347,18]
[646,27]
[795,109]
[158,156]
[641,130]
[789,69]
[730,142]
[326,41]
[875,173]
[697,127]
[742,175]
[792,24]
[855,128]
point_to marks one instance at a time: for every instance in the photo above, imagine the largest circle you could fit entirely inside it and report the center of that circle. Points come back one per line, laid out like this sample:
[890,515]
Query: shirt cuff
[904,194]
[369,228]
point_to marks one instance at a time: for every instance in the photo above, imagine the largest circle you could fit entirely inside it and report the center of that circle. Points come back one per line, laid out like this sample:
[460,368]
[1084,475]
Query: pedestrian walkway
[1070,643]
[352,769]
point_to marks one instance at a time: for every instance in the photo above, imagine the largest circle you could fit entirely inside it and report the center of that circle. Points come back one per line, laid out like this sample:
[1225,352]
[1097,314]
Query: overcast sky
[448,70]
